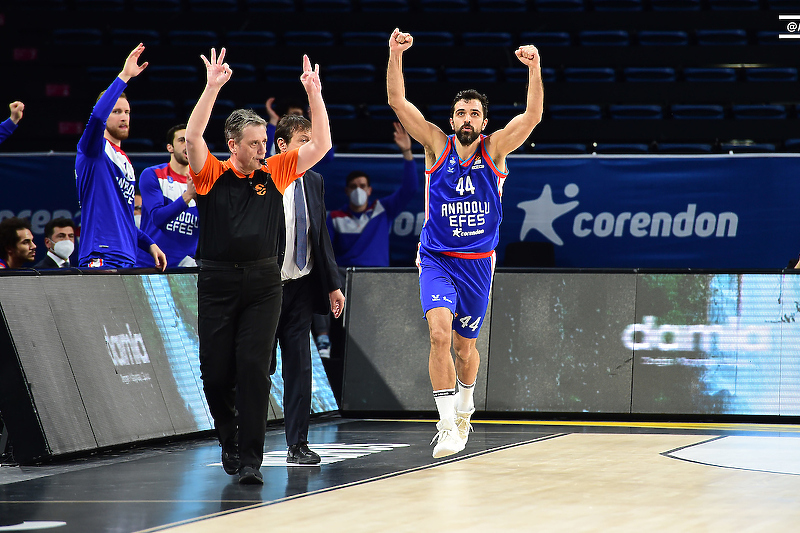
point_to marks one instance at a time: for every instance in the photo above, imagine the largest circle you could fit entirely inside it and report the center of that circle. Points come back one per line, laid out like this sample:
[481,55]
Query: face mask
[64,249]
[138,220]
[358,197]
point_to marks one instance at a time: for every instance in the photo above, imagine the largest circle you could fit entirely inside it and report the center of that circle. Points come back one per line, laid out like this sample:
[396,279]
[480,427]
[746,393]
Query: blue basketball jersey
[462,203]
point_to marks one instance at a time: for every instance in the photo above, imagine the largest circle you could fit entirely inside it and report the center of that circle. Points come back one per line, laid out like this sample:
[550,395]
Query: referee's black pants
[293,335]
[238,309]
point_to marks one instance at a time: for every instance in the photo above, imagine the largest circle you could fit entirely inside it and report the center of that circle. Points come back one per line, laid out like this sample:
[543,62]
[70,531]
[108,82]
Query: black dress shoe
[250,475]
[300,454]
[230,455]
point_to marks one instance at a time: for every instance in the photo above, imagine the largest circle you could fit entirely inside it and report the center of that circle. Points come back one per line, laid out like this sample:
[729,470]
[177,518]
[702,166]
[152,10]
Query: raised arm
[504,141]
[313,151]
[427,134]
[217,74]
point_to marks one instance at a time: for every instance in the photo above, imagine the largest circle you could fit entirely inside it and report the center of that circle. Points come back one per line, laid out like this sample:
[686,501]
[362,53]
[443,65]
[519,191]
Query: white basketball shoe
[447,440]
[463,427]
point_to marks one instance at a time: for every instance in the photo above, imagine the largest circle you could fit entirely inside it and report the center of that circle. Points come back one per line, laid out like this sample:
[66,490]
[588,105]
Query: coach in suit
[311,285]
[59,238]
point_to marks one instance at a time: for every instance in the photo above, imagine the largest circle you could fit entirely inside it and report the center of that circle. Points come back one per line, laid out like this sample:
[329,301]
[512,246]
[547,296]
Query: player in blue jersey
[464,182]
[106,181]
[8,126]
[169,209]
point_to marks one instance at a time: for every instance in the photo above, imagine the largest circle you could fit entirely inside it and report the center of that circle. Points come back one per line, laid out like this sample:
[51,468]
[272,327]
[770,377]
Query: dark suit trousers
[293,335]
[238,311]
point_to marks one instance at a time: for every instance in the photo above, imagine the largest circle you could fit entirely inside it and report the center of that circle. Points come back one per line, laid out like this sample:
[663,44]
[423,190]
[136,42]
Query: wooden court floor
[377,475]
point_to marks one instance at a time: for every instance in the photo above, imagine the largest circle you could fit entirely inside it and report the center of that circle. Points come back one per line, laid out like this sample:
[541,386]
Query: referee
[240,203]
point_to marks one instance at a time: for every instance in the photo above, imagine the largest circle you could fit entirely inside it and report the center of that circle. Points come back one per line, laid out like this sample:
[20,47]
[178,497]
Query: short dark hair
[356,174]
[470,94]
[171,132]
[289,126]
[51,226]
[121,95]
[238,120]
[8,233]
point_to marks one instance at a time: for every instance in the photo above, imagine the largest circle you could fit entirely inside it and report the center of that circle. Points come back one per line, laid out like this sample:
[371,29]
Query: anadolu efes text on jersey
[463,207]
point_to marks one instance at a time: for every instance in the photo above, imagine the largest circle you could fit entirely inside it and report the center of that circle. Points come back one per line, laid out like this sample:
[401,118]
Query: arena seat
[574,111]
[649,74]
[663,38]
[604,38]
[697,112]
[486,39]
[470,75]
[251,38]
[709,74]
[546,38]
[635,111]
[759,111]
[589,74]
[355,73]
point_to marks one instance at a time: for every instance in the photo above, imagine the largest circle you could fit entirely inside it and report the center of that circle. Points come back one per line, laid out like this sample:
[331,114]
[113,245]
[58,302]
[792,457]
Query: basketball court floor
[378,475]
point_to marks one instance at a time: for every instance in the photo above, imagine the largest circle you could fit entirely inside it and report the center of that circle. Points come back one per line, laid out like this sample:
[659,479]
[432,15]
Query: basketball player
[464,181]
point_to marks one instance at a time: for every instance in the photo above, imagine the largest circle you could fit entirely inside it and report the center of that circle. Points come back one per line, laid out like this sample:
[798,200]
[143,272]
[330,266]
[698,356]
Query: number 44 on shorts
[465,322]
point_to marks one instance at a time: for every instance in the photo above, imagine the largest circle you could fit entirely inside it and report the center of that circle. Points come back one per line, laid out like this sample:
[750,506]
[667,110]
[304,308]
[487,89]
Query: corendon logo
[543,211]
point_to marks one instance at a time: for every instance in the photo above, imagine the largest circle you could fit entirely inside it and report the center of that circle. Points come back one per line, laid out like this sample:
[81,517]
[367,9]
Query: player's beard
[181,158]
[467,137]
[118,133]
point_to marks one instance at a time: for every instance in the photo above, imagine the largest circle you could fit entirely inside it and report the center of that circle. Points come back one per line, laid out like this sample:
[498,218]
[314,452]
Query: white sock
[465,403]
[445,404]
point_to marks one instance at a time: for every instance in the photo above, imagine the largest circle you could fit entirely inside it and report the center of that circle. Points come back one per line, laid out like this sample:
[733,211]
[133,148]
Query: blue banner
[716,212]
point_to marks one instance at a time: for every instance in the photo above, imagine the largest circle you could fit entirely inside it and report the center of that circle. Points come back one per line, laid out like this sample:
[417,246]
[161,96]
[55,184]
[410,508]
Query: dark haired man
[240,204]
[59,238]
[16,243]
[310,285]
[360,230]
[169,210]
[456,255]
[106,181]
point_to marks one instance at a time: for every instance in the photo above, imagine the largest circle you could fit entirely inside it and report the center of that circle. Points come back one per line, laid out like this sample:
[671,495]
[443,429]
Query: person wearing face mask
[360,230]
[169,207]
[59,238]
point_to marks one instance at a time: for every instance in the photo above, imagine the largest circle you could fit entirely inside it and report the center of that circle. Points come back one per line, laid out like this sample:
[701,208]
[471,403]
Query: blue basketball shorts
[460,285]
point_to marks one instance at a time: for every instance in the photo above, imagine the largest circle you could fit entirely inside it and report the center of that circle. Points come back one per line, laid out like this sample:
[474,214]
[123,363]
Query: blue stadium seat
[78,37]
[470,75]
[341,6]
[250,38]
[505,112]
[278,6]
[621,148]
[341,111]
[450,6]
[721,37]
[130,38]
[153,109]
[520,74]
[675,5]
[558,148]
[785,6]
[546,38]
[196,38]
[589,74]
[364,38]
[502,5]
[243,73]
[769,37]
[373,148]
[172,74]
[635,111]
[604,38]
[684,148]
[214,6]
[574,111]
[697,112]
[663,38]
[156,5]
[649,74]
[99,5]
[222,109]
[617,5]
[356,73]
[759,111]
[381,112]
[420,75]
[432,38]
[486,39]
[438,112]
[733,5]
[709,74]
[309,38]
[771,74]
[747,147]
[791,145]
[384,5]
[281,73]
[559,5]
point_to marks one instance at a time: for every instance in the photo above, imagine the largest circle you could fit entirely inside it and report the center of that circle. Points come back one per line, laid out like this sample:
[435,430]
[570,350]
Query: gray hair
[238,121]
